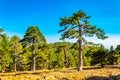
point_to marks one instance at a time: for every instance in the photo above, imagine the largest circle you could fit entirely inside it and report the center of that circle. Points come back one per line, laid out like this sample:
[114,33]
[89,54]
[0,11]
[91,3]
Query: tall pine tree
[32,38]
[77,26]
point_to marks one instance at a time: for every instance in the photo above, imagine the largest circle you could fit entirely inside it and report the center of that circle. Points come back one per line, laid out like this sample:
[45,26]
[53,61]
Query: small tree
[99,56]
[77,26]
[16,48]
[63,47]
[32,38]
[5,57]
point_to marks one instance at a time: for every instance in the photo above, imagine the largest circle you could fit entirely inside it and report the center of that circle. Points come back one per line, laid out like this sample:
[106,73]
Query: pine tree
[63,47]
[16,48]
[77,26]
[5,56]
[32,38]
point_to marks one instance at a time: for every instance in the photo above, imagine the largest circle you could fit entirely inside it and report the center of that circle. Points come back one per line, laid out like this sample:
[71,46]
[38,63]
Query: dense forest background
[29,54]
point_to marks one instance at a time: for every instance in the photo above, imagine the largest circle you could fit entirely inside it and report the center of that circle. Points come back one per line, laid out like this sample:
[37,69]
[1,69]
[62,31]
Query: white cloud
[10,34]
[56,38]
[113,40]
[52,38]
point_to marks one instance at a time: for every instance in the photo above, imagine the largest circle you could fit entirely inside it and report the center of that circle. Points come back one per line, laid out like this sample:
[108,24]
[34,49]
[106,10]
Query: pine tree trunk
[33,61]
[80,61]
[15,65]
[15,60]
[66,59]
[33,56]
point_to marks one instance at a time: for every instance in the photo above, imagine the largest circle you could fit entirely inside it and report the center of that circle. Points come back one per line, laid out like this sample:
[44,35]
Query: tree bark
[33,55]
[80,61]
[15,55]
[15,65]
[66,59]
[33,61]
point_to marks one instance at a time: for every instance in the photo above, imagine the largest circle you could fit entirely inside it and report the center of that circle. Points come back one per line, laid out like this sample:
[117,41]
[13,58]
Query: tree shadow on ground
[22,73]
[105,66]
[91,68]
[104,78]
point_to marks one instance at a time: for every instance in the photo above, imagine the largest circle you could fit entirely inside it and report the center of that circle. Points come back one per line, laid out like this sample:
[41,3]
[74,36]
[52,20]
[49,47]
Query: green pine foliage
[5,56]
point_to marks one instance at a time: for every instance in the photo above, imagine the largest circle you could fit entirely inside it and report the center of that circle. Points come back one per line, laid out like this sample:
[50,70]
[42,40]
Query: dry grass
[89,73]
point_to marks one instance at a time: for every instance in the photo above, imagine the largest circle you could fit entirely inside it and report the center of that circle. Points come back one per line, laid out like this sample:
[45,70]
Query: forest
[32,52]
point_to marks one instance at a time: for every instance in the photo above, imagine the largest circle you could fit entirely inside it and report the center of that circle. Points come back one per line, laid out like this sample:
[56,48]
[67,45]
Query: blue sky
[17,15]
